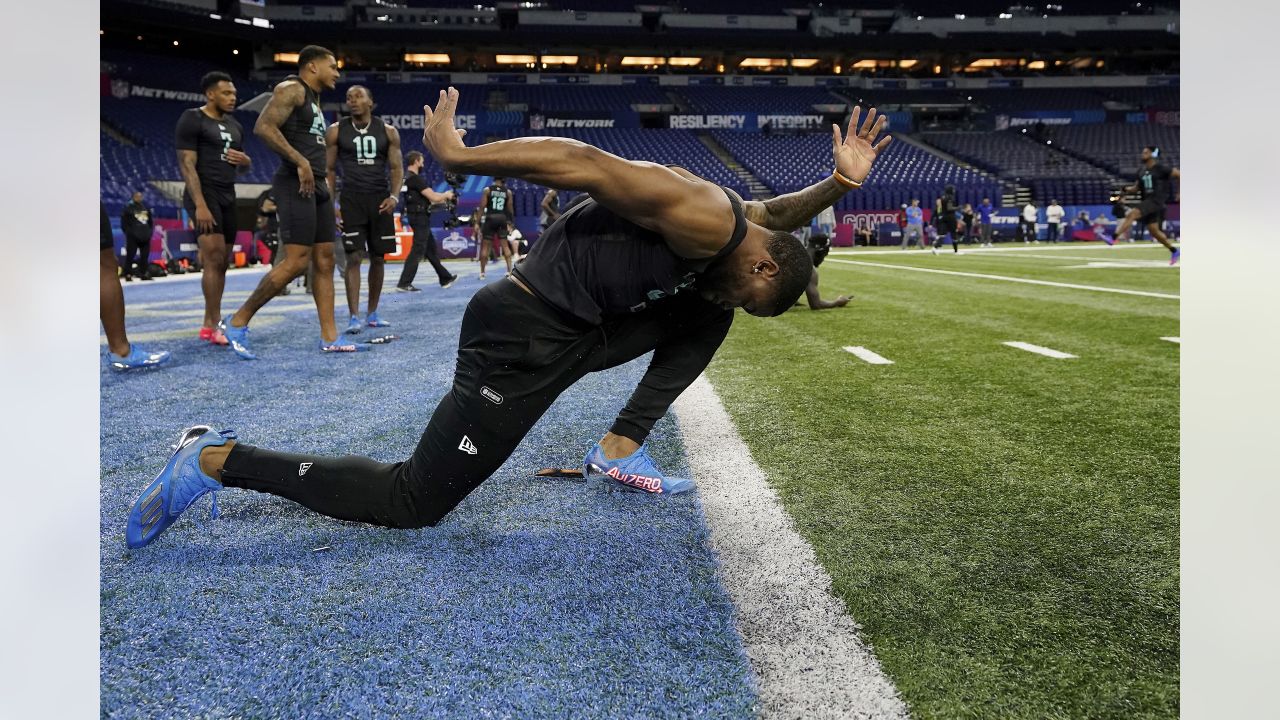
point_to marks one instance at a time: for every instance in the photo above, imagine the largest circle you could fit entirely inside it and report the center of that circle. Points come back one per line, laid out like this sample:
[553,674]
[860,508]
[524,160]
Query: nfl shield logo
[537,122]
[120,89]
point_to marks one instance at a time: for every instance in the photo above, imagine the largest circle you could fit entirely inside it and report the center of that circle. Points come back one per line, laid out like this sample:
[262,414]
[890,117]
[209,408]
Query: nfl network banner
[123,89]
[569,120]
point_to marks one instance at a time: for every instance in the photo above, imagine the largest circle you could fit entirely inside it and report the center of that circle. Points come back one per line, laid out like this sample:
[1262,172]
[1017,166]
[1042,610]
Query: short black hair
[794,270]
[412,157]
[312,52]
[499,179]
[213,78]
[366,90]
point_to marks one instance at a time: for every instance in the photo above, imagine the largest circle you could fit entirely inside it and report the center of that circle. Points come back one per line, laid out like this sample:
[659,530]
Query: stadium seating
[790,163]
[1013,156]
[1117,147]
[721,99]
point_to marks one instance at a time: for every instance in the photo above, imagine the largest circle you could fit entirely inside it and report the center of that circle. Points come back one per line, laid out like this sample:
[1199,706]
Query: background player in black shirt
[1155,183]
[210,153]
[655,261]
[292,125]
[418,199]
[364,146]
[496,203]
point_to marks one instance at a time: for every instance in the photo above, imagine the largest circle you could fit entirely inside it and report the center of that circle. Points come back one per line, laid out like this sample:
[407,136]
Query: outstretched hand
[439,135]
[855,153]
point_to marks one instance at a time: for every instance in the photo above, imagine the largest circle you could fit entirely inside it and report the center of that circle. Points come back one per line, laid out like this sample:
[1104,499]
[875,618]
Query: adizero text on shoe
[180,483]
[342,346]
[636,472]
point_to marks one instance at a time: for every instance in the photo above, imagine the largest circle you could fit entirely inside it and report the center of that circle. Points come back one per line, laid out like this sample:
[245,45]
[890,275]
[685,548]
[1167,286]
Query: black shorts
[495,224]
[222,204]
[303,220]
[1152,211]
[364,228]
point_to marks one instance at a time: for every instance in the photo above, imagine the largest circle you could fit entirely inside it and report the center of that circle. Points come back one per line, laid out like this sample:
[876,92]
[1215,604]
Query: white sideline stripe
[1177,340]
[808,658]
[897,250]
[867,355]
[1047,352]
[1006,278]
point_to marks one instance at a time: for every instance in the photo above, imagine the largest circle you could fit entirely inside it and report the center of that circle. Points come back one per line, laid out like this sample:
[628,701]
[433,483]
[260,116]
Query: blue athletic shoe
[178,485]
[354,326]
[1177,254]
[374,321]
[636,472]
[237,338]
[138,359]
[342,346]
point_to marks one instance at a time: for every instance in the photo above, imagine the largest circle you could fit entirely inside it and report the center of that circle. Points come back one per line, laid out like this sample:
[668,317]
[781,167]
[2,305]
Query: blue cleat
[354,326]
[636,472]
[1177,255]
[342,346]
[237,338]
[374,321]
[138,359]
[179,484]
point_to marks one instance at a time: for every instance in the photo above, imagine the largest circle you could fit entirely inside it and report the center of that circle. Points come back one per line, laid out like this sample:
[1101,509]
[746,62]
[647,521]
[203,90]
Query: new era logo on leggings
[303,468]
[466,446]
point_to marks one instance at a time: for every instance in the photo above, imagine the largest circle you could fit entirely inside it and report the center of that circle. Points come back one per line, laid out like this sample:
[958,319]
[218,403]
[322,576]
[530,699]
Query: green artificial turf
[1003,524]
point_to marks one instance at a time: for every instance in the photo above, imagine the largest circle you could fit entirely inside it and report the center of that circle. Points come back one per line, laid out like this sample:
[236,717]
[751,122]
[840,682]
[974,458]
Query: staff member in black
[945,221]
[292,125]
[550,209]
[1155,183]
[418,199]
[137,224]
[364,146]
[655,261]
[496,201]
[210,153]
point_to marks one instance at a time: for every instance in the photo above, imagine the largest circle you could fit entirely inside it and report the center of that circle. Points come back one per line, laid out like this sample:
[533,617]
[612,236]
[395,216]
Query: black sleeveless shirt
[592,263]
[304,131]
[498,197]
[363,156]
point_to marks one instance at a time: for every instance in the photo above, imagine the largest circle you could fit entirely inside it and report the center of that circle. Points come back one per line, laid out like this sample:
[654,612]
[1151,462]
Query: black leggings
[515,356]
[424,243]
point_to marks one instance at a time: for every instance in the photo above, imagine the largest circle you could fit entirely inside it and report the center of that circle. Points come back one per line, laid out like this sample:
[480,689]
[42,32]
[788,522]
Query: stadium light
[175,43]
[515,59]
[559,59]
[684,61]
[287,58]
[804,62]
[235,52]
[762,62]
[1035,65]
[426,57]
[643,60]
[905,64]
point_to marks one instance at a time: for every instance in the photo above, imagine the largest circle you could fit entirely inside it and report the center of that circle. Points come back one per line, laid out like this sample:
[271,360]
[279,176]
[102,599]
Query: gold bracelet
[844,180]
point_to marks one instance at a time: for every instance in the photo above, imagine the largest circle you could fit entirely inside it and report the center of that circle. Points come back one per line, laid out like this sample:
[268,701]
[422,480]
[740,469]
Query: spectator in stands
[418,199]
[914,231]
[122,354]
[984,217]
[1027,226]
[138,225]
[1053,216]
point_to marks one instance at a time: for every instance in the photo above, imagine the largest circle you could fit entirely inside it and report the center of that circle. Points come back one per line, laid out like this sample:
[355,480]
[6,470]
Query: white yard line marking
[1006,278]
[808,658]
[997,250]
[1176,340]
[1101,257]
[1047,352]
[867,355]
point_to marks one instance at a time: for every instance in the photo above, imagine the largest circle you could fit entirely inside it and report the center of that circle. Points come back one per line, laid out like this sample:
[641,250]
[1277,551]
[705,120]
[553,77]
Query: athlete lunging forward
[655,260]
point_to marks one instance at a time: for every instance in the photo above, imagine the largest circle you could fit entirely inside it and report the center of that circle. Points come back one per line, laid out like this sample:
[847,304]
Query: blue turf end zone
[536,598]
